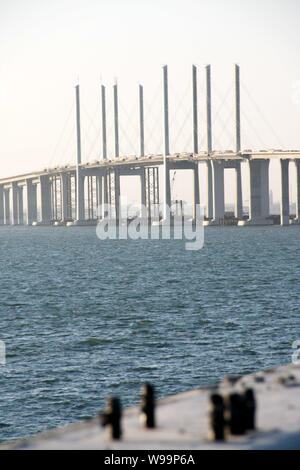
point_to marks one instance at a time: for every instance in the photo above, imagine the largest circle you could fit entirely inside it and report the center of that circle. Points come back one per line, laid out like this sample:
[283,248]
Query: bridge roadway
[72,193]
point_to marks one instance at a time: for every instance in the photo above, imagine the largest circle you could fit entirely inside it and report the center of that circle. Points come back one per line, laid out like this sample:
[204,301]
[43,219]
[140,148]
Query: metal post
[104,143]
[116,120]
[195,110]
[142,143]
[237,110]
[208,109]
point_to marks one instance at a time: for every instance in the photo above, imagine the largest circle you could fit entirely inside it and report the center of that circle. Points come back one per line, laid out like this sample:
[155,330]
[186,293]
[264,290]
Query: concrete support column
[238,213]
[297,165]
[99,190]
[117,195]
[7,214]
[1,205]
[143,194]
[104,195]
[196,193]
[20,206]
[31,215]
[14,204]
[209,204]
[167,189]
[284,193]
[64,196]
[218,190]
[45,200]
[79,195]
[258,191]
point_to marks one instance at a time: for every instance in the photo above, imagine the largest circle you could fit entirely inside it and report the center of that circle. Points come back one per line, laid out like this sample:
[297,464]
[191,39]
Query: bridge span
[73,194]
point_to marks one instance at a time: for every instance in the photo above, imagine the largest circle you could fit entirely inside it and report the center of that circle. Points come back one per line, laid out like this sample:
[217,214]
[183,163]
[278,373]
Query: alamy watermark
[296,353]
[172,224]
[2,354]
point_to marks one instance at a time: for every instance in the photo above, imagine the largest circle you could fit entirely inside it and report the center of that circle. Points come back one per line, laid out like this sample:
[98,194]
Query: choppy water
[82,318]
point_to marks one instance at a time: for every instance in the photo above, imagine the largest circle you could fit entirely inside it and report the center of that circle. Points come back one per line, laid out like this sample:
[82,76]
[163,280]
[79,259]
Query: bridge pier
[284,192]
[80,217]
[143,212]
[112,190]
[218,191]
[65,196]
[196,193]
[238,213]
[20,206]
[151,188]
[216,202]
[104,194]
[6,207]
[258,193]
[45,199]
[297,165]
[31,214]
[1,205]
[13,204]
[209,203]
[99,192]
[167,189]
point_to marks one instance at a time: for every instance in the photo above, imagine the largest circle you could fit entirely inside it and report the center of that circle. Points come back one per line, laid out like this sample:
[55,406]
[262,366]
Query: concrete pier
[259,193]
[31,203]
[183,420]
[217,201]
[196,194]
[45,201]
[1,205]
[7,219]
[238,212]
[297,165]
[20,206]
[209,204]
[284,193]
[13,204]
[64,197]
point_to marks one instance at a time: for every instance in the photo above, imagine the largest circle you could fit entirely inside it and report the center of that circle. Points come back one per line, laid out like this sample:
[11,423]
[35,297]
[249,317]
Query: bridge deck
[151,160]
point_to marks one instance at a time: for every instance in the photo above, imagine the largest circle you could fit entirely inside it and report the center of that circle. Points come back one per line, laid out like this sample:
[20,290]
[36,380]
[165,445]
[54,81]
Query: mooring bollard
[112,417]
[235,413]
[250,408]
[148,405]
[216,417]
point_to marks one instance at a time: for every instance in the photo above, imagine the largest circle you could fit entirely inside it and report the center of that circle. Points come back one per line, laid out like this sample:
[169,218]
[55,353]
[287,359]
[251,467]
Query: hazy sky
[46,45]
